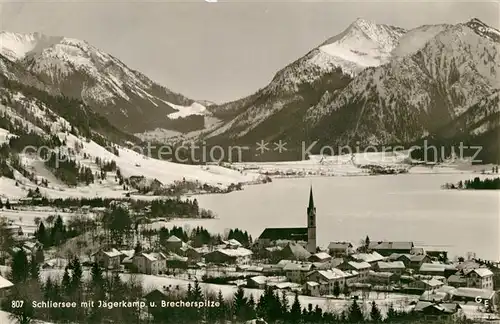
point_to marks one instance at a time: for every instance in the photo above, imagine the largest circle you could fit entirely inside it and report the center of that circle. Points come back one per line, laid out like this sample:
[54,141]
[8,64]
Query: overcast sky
[220,51]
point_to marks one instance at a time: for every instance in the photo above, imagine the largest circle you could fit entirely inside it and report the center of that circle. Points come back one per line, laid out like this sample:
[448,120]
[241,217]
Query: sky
[220,51]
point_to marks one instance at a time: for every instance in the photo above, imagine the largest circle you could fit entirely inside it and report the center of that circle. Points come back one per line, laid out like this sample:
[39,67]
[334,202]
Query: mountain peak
[483,29]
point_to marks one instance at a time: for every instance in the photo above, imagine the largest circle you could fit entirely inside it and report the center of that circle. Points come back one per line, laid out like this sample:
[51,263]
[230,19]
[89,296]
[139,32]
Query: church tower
[311,224]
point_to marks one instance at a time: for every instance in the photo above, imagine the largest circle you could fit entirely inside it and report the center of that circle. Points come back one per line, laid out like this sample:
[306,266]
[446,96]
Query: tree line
[475,184]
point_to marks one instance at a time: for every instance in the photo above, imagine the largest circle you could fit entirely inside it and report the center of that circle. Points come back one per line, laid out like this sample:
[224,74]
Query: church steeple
[311,201]
[311,224]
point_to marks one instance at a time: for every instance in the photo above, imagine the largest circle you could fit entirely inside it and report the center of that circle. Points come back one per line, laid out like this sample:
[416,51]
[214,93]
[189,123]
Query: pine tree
[20,269]
[375,314]
[34,269]
[295,311]
[7,204]
[355,313]
[76,279]
[41,234]
[391,313]
[239,304]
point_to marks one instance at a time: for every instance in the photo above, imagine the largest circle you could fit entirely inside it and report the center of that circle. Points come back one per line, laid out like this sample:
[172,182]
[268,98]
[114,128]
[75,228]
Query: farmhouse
[340,249]
[150,263]
[362,268]
[229,256]
[293,251]
[297,272]
[311,288]
[320,257]
[108,259]
[173,243]
[396,267]
[388,248]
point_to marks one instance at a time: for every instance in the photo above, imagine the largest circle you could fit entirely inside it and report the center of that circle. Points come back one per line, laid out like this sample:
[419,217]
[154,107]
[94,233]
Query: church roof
[285,233]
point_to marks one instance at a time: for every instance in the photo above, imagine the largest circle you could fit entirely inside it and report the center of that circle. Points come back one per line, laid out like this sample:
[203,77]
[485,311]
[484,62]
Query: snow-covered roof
[368,257]
[435,267]
[238,252]
[432,282]
[173,239]
[391,265]
[312,283]
[259,279]
[322,256]
[359,265]
[474,292]
[233,242]
[4,283]
[292,266]
[483,272]
[113,253]
[339,245]
[332,274]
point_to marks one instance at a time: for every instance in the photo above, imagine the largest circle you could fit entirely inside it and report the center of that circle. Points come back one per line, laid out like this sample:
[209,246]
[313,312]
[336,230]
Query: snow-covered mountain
[419,91]
[328,67]
[377,84]
[77,69]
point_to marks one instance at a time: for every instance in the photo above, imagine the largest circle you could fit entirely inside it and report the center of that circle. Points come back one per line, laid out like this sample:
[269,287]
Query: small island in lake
[476,184]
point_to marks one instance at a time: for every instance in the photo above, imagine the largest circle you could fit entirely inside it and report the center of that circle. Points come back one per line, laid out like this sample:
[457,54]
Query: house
[381,278]
[432,312]
[416,261]
[328,279]
[257,282]
[362,268]
[311,288]
[387,248]
[396,267]
[229,256]
[340,249]
[371,258]
[271,235]
[320,257]
[189,252]
[173,243]
[437,269]
[150,263]
[176,261]
[474,295]
[294,251]
[108,259]
[5,287]
[297,272]
[405,258]
[457,281]
[427,284]
[479,278]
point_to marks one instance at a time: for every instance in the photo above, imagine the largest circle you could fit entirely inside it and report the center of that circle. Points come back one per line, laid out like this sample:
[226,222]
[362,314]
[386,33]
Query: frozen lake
[403,207]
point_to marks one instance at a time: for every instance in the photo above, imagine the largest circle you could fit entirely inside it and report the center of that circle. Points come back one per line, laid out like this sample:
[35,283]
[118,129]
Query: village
[288,260]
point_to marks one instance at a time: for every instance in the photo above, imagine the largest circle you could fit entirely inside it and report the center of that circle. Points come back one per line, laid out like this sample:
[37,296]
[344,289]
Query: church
[307,235]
